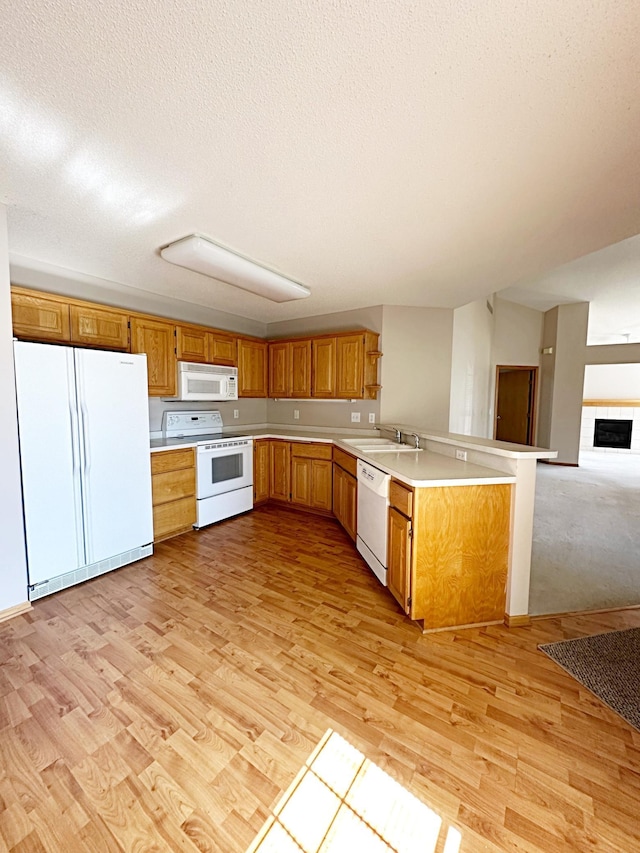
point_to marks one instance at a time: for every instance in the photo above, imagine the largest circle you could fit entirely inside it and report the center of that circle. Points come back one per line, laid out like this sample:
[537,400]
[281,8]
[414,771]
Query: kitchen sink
[380,445]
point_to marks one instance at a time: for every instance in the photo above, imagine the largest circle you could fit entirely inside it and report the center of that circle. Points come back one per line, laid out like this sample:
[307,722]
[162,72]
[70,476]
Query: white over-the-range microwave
[206,382]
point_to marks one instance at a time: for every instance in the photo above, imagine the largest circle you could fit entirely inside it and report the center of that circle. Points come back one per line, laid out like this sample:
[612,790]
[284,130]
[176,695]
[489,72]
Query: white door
[114,425]
[49,459]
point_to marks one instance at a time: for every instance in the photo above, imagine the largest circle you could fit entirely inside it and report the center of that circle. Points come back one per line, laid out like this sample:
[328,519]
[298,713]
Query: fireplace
[612,433]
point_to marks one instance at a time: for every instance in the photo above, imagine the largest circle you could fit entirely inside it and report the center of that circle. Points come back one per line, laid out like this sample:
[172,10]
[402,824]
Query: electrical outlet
[236,413]
[296,414]
[461,455]
[372,417]
[355,417]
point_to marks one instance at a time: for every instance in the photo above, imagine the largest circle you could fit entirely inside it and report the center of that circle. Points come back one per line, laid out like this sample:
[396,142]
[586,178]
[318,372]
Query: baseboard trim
[16,610]
[517,621]
[567,613]
[420,623]
[563,464]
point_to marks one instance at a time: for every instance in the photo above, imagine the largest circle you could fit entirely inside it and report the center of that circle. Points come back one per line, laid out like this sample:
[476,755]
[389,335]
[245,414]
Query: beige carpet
[586,535]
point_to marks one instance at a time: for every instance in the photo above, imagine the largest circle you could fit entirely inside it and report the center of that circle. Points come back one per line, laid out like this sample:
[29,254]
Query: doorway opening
[515,404]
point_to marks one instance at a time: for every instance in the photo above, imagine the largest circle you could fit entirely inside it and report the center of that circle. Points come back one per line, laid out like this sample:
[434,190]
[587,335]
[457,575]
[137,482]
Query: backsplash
[250,411]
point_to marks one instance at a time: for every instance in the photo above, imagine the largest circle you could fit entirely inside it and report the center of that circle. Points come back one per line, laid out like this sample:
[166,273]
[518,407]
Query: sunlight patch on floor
[341,802]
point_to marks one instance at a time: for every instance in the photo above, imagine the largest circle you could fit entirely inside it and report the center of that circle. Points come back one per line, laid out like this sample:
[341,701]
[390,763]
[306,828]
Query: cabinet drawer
[172,460]
[172,485]
[173,517]
[401,497]
[311,451]
[346,461]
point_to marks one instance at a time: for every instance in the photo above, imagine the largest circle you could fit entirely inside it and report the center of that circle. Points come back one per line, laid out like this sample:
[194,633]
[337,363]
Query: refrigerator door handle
[86,460]
[76,462]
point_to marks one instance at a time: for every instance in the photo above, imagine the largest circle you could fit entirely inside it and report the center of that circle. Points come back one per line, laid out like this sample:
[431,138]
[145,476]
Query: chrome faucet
[416,439]
[398,433]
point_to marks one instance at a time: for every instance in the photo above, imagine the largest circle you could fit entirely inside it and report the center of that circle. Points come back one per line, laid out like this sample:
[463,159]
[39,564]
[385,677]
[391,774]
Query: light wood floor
[168,705]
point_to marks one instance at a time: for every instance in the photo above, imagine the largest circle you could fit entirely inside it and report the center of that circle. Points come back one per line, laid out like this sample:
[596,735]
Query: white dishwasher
[373,518]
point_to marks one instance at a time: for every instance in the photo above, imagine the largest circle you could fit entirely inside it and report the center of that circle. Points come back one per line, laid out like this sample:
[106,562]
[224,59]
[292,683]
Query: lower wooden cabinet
[399,558]
[311,476]
[345,490]
[299,473]
[448,552]
[280,471]
[173,486]
[261,466]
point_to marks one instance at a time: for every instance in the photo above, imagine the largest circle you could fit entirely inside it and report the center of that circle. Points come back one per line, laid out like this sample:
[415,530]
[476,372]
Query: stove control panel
[176,424]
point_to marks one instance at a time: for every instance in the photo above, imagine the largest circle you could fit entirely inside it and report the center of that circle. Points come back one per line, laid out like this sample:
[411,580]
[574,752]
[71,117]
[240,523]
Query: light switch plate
[461,455]
[236,413]
[355,417]
[296,414]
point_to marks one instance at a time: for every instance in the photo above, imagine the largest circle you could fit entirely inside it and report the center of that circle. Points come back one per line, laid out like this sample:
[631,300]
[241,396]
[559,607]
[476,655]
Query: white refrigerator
[84,451]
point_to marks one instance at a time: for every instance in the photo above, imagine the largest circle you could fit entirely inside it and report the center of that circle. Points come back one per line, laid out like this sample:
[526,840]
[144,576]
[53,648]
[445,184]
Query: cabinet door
[99,327]
[350,366]
[157,339]
[324,367]
[321,482]
[280,470]
[252,368]
[300,370]
[261,470]
[191,344]
[279,369]
[301,474]
[350,505]
[222,349]
[399,558]
[37,318]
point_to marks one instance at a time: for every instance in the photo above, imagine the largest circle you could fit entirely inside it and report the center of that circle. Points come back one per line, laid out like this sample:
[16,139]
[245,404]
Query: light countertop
[421,468]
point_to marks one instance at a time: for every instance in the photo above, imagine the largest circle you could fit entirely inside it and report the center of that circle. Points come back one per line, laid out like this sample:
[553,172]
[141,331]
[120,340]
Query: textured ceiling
[415,153]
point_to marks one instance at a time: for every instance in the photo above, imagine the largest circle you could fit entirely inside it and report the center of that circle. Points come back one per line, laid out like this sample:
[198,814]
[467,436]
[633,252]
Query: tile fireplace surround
[613,412]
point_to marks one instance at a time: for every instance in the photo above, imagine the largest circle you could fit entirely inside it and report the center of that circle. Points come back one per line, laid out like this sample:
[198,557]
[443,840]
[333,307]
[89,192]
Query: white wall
[13,566]
[517,334]
[472,379]
[563,379]
[416,366]
[612,382]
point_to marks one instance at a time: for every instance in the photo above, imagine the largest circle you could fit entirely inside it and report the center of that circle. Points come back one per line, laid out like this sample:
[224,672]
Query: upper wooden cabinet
[39,317]
[252,368]
[43,317]
[222,349]
[290,368]
[324,367]
[279,369]
[191,344]
[340,366]
[156,338]
[343,365]
[99,327]
[194,343]
[349,366]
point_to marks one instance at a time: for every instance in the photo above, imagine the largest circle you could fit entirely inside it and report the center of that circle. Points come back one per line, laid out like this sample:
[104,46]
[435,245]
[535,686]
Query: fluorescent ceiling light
[204,256]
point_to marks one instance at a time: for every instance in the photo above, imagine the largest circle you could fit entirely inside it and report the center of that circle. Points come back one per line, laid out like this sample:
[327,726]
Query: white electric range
[224,463]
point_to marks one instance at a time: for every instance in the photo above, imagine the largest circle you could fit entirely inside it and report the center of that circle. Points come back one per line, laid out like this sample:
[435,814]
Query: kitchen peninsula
[490,493]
